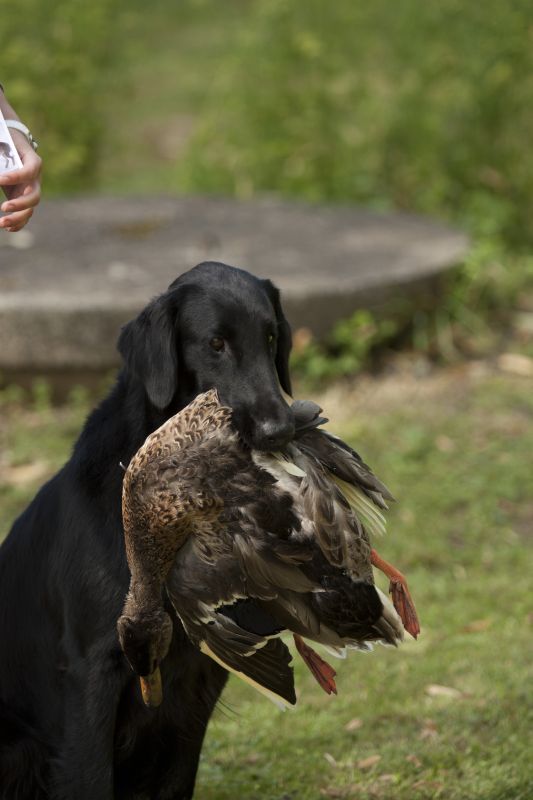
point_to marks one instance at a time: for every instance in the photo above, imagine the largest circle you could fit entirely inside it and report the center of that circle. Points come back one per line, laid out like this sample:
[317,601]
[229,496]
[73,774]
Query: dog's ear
[149,348]
[284,338]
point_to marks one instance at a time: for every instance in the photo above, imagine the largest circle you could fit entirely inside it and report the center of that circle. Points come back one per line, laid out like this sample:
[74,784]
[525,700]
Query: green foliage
[56,59]
[346,350]
[476,304]
[41,395]
[425,106]
[491,278]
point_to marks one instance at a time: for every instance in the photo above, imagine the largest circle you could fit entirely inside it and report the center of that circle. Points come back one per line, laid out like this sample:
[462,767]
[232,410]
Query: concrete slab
[86,265]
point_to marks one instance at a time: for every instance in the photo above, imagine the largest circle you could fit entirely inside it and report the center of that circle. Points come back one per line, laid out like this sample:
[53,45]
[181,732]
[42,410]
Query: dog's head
[216,327]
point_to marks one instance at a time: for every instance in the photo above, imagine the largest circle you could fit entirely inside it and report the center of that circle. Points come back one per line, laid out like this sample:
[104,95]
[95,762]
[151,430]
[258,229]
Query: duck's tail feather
[355,464]
[336,652]
[341,460]
[389,625]
[364,509]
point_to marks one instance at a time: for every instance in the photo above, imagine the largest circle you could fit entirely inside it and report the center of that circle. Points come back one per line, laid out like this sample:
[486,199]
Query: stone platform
[86,265]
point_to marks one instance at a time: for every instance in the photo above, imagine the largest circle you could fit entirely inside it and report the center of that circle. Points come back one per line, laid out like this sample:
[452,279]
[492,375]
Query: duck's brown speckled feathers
[185,491]
[233,535]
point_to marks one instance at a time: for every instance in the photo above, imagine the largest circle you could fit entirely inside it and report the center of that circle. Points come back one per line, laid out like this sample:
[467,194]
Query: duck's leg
[401,597]
[321,670]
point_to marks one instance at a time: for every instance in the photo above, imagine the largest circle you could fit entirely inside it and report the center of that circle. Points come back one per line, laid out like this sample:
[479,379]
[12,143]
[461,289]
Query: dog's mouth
[265,426]
[268,437]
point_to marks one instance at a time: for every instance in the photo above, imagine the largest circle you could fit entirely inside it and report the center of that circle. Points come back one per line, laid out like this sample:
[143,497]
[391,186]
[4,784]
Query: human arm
[22,186]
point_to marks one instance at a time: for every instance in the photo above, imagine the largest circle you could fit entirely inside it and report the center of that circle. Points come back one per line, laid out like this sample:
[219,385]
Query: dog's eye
[217,343]
[270,338]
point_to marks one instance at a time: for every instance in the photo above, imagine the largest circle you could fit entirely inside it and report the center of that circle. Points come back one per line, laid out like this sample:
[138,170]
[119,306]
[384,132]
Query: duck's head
[145,638]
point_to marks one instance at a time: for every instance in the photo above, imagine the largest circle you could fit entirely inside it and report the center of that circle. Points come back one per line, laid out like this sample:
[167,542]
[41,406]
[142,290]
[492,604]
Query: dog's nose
[272,434]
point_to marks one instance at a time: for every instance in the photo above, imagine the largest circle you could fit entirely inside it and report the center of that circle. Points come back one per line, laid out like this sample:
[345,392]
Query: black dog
[72,723]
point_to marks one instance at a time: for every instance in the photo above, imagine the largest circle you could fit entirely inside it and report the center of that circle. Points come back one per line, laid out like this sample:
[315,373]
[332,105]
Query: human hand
[22,187]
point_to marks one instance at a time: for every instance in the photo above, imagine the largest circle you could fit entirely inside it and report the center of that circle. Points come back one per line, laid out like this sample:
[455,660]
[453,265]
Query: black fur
[72,723]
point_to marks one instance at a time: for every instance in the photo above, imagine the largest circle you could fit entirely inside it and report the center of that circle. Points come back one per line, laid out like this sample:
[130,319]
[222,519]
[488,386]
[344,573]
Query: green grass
[458,458]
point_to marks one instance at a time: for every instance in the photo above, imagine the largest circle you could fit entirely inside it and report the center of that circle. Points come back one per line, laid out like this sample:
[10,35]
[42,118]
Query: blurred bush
[56,57]
[350,345]
[419,106]
[426,107]
[416,105]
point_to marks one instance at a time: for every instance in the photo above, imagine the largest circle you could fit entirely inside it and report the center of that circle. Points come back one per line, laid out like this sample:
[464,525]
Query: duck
[248,545]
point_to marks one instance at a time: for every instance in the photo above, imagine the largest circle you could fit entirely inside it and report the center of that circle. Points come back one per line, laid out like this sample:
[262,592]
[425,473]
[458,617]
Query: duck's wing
[365,494]
[344,463]
[219,605]
[324,512]
[348,464]
[262,661]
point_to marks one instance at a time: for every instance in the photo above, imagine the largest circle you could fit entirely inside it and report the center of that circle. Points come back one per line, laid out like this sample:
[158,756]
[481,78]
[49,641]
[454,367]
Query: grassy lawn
[449,716]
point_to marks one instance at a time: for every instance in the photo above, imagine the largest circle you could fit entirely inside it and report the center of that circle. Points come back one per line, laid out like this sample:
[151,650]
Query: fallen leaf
[434,786]
[516,364]
[436,690]
[523,325]
[332,761]
[429,731]
[445,444]
[387,777]
[477,625]
[252,758]
[367,763]
[413,760]
[353,725]
[333,791]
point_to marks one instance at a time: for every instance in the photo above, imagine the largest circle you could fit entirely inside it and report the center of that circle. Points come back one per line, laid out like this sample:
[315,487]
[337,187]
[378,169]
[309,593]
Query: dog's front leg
[84,769]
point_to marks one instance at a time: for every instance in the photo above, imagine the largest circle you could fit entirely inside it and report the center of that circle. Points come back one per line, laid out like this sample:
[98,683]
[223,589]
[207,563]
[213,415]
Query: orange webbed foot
[401,596]
[323,673]
[404,605]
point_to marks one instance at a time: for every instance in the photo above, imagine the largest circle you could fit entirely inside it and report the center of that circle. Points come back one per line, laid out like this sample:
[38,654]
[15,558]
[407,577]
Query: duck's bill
[152,688]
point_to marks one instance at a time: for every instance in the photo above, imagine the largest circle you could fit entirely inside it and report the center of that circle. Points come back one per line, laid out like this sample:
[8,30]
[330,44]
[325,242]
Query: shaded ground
[448,716]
